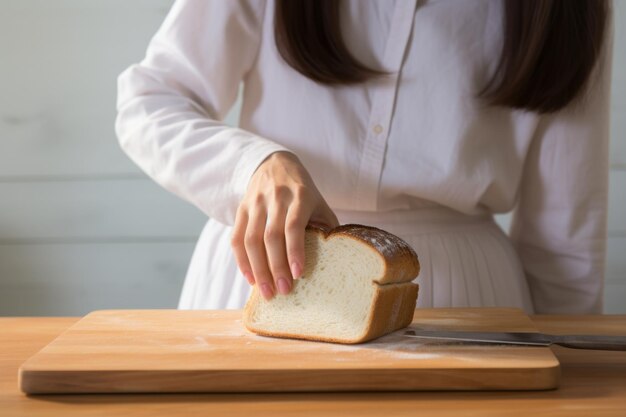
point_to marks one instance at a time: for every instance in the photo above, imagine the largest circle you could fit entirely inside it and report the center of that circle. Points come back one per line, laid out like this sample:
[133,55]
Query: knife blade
[525,339]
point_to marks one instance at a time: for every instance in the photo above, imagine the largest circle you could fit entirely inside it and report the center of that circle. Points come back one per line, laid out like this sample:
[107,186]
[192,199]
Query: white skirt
[466,261]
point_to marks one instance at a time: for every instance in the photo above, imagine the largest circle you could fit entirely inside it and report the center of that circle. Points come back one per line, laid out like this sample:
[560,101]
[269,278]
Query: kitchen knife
[525,339]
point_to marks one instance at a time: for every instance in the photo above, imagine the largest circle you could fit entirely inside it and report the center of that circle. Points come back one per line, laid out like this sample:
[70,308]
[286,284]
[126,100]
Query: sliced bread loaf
[356,286]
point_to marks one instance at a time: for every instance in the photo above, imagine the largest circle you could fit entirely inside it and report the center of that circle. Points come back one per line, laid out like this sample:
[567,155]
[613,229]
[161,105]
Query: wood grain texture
[130,351]
[592,384]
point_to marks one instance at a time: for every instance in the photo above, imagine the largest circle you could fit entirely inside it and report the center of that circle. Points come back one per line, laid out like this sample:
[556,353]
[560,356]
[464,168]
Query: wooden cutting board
[116,351]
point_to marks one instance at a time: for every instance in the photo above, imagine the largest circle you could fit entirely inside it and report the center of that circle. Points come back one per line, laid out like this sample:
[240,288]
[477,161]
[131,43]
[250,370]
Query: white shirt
[419,134]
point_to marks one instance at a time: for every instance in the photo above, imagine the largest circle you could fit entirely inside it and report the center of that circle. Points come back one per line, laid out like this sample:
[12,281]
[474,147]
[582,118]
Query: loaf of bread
[356,286]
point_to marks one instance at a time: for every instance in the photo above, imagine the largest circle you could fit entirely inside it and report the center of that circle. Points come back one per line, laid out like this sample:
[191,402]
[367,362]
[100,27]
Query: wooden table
[593,384]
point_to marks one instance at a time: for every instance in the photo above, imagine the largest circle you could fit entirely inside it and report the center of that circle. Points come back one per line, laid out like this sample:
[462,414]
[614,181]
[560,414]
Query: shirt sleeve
[171,105]
[559,224]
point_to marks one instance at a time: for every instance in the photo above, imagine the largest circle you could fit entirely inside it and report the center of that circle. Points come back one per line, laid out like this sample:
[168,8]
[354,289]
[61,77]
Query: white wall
[615,292]
[81,228]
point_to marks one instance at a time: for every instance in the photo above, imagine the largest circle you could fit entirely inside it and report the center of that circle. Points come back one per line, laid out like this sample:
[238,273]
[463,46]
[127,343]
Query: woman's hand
[268,235]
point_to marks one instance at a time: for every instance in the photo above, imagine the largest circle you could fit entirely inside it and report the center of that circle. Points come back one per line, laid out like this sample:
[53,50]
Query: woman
[423,118]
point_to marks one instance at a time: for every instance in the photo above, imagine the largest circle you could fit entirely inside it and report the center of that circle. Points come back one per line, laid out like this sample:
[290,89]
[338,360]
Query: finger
[276,250]
[255,248]
[238,246]
[295,224]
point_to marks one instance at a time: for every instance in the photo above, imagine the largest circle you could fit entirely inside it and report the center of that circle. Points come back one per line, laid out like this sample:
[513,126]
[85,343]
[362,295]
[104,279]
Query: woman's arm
[170,108]
[559,225]
[170,105]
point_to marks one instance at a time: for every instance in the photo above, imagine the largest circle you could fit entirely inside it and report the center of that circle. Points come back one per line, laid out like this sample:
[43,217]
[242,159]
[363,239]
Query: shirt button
[378,129]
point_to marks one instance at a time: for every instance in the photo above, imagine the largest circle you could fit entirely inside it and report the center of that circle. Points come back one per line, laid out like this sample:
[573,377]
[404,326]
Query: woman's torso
[419,135]
[415,153]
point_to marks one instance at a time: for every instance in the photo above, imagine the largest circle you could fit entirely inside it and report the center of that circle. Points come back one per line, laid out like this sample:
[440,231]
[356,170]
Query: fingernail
[283,286]
[249,278]
[266,291]
[295,270]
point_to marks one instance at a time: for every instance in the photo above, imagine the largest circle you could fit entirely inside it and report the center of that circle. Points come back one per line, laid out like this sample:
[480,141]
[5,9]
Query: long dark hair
[550,48]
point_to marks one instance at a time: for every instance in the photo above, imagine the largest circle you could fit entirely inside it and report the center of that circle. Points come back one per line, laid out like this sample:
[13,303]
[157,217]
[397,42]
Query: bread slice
[356,286]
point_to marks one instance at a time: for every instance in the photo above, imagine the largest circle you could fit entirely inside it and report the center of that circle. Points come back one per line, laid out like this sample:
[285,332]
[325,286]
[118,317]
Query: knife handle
[591,342]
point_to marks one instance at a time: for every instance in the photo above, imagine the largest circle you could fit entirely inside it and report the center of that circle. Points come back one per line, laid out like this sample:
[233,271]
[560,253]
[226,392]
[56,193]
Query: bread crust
[401,261]
[395,296]
[392,309]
